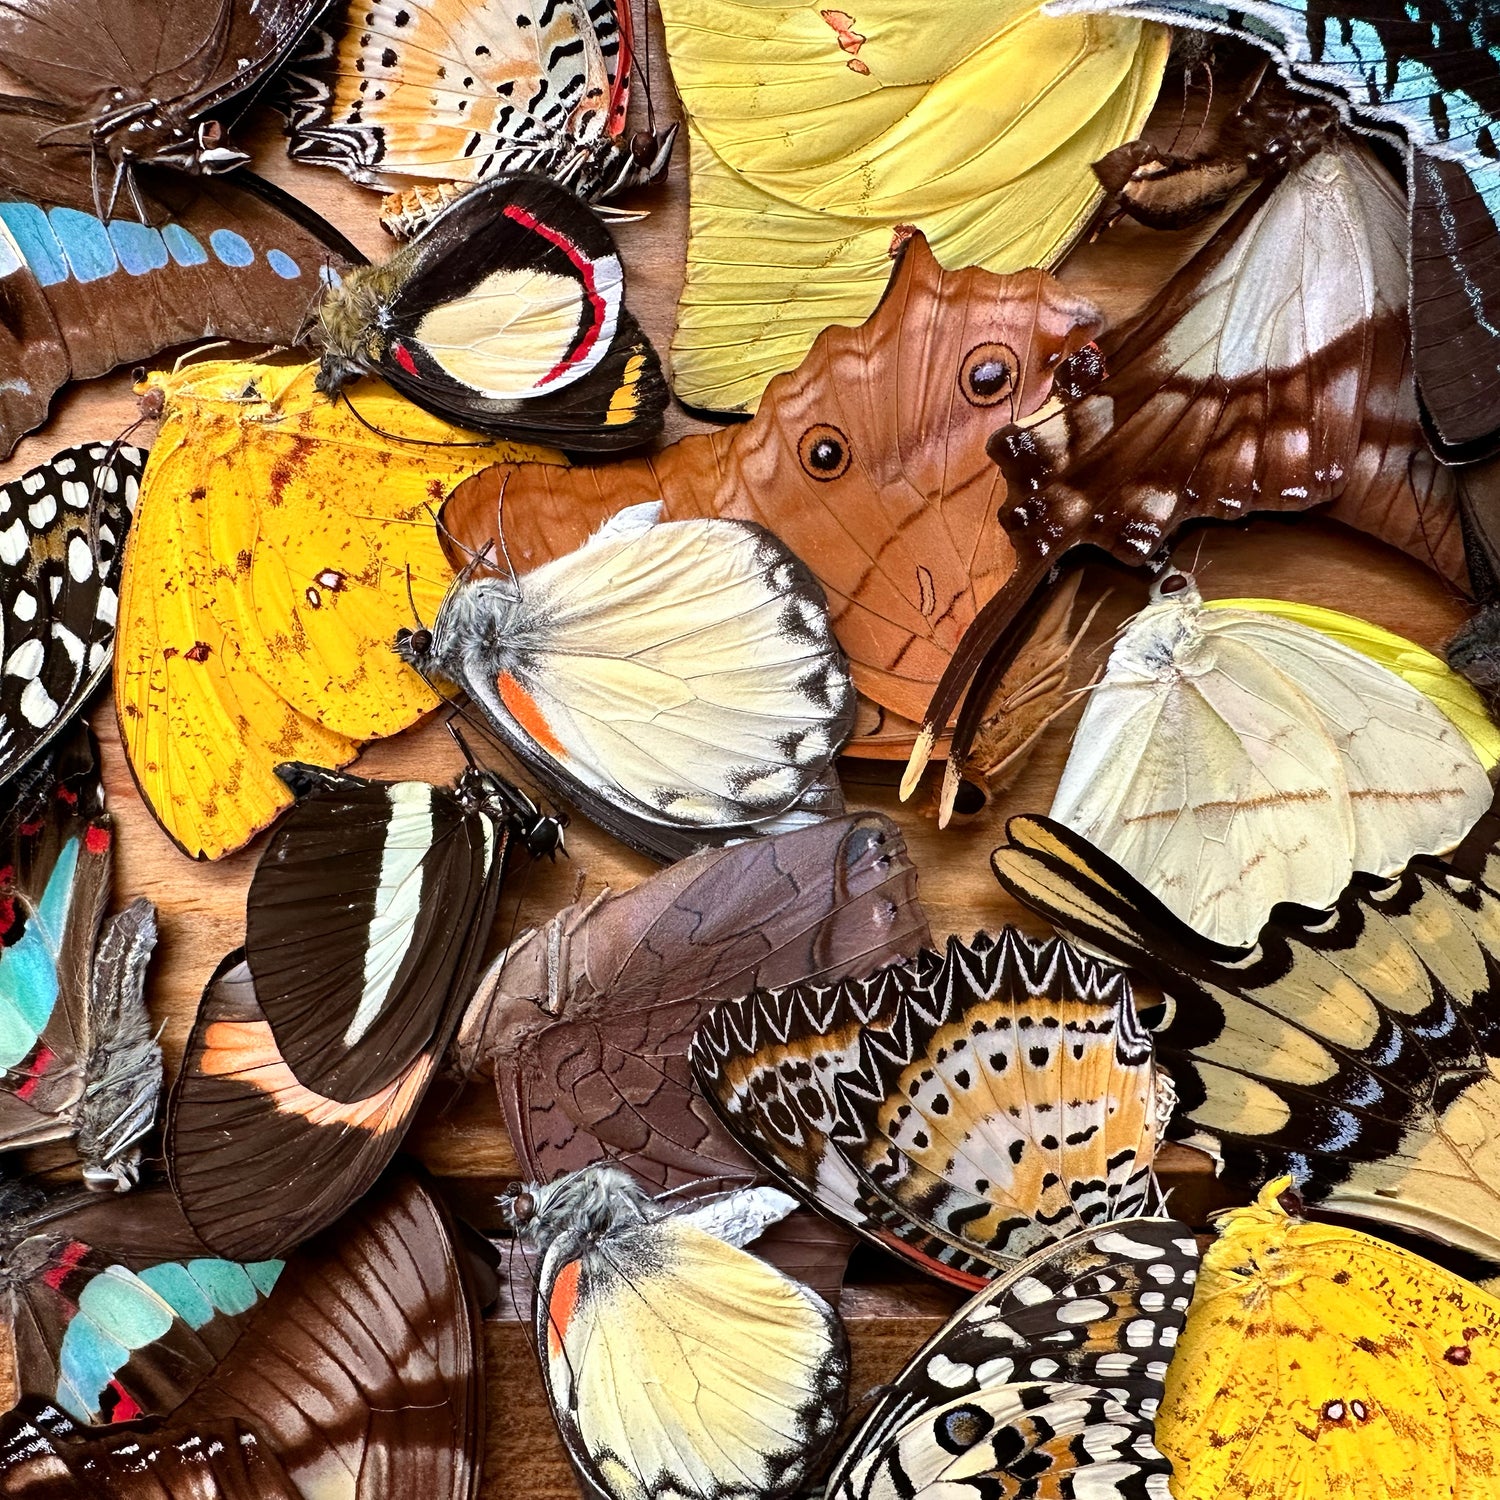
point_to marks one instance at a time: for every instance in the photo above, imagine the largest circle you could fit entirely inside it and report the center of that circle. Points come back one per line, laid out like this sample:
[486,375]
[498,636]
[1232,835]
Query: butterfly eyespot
[1358,1410]
[824,452]
[1334,1411]
[988,374]
[958,1430]
[1458,1354]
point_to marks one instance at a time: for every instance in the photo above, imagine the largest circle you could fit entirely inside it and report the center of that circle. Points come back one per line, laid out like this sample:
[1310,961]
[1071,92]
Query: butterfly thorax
[560,1218]
[354,322]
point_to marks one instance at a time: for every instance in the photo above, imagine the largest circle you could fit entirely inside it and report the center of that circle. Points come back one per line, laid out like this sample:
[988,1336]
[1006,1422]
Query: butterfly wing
[64,526]
[351,921]
[463,97]
[1430,73]
[736,1374]
[230,258]
[1354,1048]
[1049,1379]
[509,317]
[1351,1359]
[270,643]
[685,673]
[961,1109]
[812,132]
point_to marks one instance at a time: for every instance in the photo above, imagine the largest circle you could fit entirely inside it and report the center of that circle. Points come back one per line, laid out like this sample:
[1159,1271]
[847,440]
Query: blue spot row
[62,242]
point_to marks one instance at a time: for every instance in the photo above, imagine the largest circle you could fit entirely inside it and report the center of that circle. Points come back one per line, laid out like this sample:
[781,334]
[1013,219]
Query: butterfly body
[676,1363]
[507,315]
[668,727]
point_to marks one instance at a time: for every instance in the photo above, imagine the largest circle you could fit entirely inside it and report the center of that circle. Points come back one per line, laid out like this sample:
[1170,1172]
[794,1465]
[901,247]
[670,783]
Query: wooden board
[463,1141]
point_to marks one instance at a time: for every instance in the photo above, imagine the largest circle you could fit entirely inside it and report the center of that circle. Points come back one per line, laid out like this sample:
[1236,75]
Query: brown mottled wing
[586,1023]
[258,1161]
[868,461]
[1273,373]
[80,299]
[363,1371]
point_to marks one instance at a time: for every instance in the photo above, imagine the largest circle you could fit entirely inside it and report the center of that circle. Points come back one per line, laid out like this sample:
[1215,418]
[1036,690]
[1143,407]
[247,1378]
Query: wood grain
[462,1138]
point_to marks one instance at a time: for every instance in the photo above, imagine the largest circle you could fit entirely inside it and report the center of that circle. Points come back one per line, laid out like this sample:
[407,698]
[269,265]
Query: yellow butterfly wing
[1429,674]
[1317,1361]
[278,545]
[679,1365]
[815,133]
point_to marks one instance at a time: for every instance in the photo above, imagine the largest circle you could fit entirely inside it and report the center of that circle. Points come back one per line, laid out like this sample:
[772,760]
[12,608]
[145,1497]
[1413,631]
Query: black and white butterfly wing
[507,315]
[357,920]
[62,534]
[1046,1383]
[685,672]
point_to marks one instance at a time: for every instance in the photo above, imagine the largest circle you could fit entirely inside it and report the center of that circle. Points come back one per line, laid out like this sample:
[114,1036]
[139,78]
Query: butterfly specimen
[358,1374]
[678,682]
[1271,373]
[585,1021]
[1355,1048]
[815,133]
[1231,759]
[116,1315]
[676,1363]
[140,83]
[366,924]
[62,533]
[397,92]
[278,544]
[1315,1357]
[1046,1383]
[962,1108]
[229,258]
[869,462]
[78,1055]
[507,315]
[1426,75]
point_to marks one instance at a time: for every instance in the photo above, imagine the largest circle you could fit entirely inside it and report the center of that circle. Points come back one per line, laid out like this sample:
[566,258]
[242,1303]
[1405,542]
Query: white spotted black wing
[62,537]
[963,1108]
[1046,1384]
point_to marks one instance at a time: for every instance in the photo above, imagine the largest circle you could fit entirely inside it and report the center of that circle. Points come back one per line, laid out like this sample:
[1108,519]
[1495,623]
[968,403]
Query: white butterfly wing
[1415,785]
[1217,790]
[680,1366]
[688,672]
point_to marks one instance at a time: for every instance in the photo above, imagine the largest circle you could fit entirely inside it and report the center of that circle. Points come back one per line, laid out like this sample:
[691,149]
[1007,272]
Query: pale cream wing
[1415,784]
[680,1366]
[1220,791]
[688,672]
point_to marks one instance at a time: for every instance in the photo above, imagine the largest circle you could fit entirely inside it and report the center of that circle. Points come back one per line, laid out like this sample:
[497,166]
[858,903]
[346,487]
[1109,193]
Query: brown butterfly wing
[365,1364]
[868,461]
[228,257]
[259,1161]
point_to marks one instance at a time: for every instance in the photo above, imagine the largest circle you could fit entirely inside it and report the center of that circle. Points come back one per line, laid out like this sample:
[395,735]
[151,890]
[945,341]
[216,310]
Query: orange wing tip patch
[625,402]
[523,708]
[561,1306]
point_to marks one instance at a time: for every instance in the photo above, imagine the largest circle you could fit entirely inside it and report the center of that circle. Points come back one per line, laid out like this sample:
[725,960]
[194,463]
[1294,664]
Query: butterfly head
[1176,587]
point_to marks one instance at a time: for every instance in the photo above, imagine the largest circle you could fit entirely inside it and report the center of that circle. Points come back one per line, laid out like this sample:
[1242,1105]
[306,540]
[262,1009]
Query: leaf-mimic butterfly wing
[1428,71]
[586,1021]
[1046,1383]
[279,544]
[736,1374]
[960,1109]
[64,526]
[1317,1353]
[350,923]
[507,315]
[229,258]
[1355,1048]
[868,461]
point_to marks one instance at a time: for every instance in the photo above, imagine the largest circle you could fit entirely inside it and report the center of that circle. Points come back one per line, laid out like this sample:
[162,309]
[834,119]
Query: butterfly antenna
[394,437]
[411,599]
[515,581]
